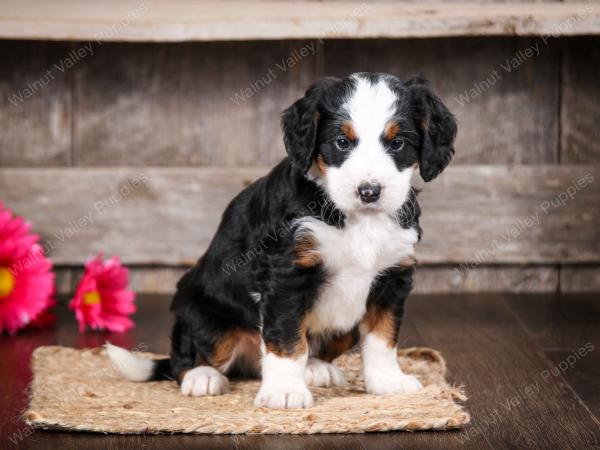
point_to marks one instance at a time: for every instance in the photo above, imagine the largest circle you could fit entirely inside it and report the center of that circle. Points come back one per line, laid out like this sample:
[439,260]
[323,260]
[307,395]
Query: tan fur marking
[391,130]
[307,255]
[299,348]
[337,346]
[348,130]
[244,343]
[321,165]
[381,323]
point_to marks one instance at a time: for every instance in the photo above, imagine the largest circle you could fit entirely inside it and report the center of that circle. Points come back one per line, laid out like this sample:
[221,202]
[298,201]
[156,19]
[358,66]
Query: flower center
[7,282]
[91,298]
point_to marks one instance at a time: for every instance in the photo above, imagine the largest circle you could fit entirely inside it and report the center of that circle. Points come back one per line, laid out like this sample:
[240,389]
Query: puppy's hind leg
[190,368]
[235,349]
[321,371]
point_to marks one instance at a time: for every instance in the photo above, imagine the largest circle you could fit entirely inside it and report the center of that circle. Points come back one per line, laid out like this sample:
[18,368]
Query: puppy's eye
[397,144]
[342,143]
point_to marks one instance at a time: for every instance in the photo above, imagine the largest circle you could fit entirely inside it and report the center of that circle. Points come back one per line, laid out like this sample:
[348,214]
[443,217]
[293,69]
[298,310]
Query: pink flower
[26,280]
[102,299]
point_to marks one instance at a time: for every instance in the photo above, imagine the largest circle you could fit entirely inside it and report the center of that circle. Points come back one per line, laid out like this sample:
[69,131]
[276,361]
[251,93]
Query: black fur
[254,248]
[299,123]
[214,296]
[437,128]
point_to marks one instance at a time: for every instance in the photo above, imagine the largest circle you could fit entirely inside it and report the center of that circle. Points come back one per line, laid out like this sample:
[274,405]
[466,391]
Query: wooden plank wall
[155,216]
[185,21]
[527,133]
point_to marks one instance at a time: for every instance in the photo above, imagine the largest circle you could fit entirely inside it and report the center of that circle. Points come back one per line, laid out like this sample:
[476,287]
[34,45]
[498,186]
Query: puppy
[318,255]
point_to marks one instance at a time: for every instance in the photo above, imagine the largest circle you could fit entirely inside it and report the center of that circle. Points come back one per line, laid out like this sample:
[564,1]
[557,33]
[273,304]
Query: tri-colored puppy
[318,255]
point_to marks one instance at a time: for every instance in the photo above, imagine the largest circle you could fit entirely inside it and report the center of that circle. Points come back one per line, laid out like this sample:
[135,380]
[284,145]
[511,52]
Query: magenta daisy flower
[102,300]
[26,280]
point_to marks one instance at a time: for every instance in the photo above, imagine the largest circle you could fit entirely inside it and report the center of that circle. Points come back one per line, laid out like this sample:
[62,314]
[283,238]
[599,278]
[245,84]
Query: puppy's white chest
[353,256]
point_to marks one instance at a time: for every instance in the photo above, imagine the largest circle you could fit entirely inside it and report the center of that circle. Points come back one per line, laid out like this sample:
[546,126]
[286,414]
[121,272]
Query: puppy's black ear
[437,127]
[300,122]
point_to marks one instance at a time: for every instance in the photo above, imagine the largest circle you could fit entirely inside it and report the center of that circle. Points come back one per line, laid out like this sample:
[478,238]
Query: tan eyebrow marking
[391,130]
[348,130]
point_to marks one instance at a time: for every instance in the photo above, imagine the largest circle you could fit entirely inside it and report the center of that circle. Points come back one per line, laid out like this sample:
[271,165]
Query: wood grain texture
[510,391]
[65,281]
[504,214]
[567,327]
[560,322]
[184,20]
[580,141]
[35,105]
[535,422]
[142,280]
[428,279]
[581,376]
[506,103]
[219,103]
[450,279]
[188,104]
[582,278]
[146,215]
[519,214]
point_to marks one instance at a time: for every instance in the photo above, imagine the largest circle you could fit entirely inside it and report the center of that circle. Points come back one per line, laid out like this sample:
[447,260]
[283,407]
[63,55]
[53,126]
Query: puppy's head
[361,138]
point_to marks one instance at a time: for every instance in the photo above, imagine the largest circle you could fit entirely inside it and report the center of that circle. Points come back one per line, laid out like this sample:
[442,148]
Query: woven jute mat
[79,390]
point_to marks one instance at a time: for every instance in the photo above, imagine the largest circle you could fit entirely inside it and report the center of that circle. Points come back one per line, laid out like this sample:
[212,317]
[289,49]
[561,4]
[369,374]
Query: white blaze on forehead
[371,107]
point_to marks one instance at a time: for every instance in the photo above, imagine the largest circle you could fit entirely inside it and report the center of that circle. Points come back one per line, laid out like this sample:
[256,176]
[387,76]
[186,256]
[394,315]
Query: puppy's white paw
[392,382]
[323,374]
[286,395]
[204,380]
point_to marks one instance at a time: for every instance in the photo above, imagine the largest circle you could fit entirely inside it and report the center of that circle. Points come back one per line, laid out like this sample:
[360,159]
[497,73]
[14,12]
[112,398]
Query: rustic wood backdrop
[135,148]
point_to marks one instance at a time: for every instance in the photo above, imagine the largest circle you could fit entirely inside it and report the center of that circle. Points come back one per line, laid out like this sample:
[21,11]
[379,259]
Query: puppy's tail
[136,368]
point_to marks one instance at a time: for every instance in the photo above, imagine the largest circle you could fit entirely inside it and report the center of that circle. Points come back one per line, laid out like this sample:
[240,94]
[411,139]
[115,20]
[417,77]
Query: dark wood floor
[531,366]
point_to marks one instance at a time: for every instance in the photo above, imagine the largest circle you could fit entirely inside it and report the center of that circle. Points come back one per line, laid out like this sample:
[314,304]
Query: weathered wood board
[515,279]
[476,215]
[577,279]
[35,104]
[142,280]
[525,214]
[218,104]
[509,378]
[428,279]
[182,20]
[503,91]
[580,109]
[189,104]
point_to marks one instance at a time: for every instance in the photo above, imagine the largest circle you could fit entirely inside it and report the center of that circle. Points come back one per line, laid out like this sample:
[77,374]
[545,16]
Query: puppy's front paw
[320,373]
[392,382]
[204,380]
[287,395]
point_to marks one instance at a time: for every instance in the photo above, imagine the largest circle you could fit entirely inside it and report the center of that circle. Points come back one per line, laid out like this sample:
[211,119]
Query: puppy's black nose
[369,192]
